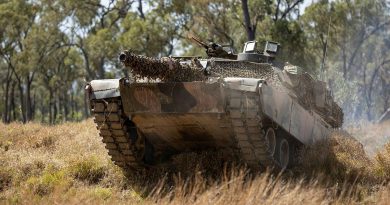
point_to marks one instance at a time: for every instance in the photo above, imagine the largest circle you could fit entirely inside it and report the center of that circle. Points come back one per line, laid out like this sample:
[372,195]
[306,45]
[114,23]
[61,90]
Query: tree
[17,18]
[50,48]
[353,33]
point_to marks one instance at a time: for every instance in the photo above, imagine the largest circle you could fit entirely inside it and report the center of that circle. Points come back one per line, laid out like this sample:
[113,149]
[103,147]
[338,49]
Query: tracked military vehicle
[246,105]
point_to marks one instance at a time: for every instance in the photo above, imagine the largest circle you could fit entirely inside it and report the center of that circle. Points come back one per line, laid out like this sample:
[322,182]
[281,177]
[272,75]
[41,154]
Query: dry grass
[382,163]
[342,158]
[67,164]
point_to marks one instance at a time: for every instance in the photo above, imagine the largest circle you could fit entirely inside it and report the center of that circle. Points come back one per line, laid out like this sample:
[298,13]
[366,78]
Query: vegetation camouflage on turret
[165,69]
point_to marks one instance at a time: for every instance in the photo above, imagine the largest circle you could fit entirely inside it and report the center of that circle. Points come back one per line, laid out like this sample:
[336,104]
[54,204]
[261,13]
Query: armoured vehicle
[248,106]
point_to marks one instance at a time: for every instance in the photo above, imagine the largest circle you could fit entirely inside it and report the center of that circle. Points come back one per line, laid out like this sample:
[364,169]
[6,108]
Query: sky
[305,4]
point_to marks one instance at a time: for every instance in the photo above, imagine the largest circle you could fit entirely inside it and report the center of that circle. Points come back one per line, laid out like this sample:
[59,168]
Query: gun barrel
[166,69]
[199,42]
[122,57]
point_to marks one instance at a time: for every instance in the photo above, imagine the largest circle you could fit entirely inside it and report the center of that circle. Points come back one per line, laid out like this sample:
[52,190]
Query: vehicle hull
[195,115]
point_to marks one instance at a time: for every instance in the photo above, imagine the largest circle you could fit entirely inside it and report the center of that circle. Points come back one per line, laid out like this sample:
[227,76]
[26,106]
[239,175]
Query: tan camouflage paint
[179,115]
[281,107]
[191,115]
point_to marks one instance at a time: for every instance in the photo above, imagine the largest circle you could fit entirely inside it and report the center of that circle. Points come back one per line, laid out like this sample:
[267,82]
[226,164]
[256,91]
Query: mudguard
[100,89]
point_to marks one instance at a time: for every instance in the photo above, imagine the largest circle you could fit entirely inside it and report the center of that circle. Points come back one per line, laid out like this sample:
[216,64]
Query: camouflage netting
[306,88]
[228,68]
[165,69]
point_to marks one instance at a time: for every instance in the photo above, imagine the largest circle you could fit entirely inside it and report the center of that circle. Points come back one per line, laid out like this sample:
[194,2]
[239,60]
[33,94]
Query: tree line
[50,48]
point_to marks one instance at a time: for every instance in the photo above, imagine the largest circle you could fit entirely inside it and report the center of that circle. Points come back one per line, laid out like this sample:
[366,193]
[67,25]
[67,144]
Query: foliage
[49,49]
[350,36]
[88,170]
[46,183]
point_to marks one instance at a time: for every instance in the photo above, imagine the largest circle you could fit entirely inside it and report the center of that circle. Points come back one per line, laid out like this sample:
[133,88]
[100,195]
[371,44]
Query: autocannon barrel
[165,69]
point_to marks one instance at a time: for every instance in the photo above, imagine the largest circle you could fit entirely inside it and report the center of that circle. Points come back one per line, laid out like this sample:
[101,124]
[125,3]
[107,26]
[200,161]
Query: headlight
[250,47]
[271,47]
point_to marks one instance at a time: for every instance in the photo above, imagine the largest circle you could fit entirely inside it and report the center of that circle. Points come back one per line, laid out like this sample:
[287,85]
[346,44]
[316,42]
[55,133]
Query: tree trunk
[86,107]
[386,95]
[90,75]
[76,107]
[140,10]
[250,29]
[6,115]
[6,105]
[22,103]
[71,105]
[66,107]
[28,99]
[54,110]
[13,107]
[102,72]
[60,107]
[33,106]
[50,106]
[42,108]
[371,89]
[344,63]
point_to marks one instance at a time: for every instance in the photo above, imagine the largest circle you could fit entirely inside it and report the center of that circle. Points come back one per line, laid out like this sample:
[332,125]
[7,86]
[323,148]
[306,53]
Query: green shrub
[102,193]
[45,184]
[5,145]
[5,178]
[89,170]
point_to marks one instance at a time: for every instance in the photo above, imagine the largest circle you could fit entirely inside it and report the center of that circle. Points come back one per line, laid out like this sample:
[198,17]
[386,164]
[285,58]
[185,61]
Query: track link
[249,132]
[118,133]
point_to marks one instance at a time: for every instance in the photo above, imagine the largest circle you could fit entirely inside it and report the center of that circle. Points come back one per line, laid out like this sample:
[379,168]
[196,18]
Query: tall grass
[67,164]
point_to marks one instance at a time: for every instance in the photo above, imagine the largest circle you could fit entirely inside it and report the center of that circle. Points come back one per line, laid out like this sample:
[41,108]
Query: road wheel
[149,153]
[270,141]
[139,149]
[284,154]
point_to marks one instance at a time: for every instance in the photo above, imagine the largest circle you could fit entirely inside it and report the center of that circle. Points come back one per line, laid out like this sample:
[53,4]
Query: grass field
[67,164]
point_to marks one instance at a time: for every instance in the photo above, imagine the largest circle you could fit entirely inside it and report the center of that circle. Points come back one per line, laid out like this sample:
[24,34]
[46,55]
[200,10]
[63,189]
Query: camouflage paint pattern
[218,103]
[178,115]
[305,126]
[172,97]
[193,115]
